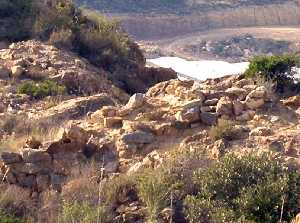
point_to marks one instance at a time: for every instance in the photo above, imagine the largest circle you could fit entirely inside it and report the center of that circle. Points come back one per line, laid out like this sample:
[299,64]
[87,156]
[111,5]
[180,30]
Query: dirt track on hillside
[174,46]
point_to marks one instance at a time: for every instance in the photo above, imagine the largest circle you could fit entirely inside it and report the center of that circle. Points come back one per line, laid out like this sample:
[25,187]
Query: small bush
[15,203]
[5,218]
[42,89]
[154,190]
[278,69]
[251,188]
[222,130]
[119,187]
[81,213]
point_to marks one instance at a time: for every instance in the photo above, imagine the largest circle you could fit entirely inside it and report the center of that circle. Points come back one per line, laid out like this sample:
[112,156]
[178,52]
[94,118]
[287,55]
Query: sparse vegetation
[42,89]
[154,190]
[222,130]
[278,69]
[81,213]
[250,188]
[5,218]
[85,32]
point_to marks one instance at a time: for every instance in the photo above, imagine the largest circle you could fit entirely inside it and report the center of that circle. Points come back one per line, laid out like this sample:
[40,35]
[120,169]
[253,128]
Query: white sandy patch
[200,70]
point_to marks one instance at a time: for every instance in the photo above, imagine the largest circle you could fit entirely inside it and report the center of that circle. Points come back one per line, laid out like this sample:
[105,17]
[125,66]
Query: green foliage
[222,130]
[154,190]
[42,89]
[61,23]
[278,69]
[4,218]
[251,188]
[81,213]
[90,35]
[118,187]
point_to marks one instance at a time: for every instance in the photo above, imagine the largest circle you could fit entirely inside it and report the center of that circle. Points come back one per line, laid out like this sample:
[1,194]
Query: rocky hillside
[171,7]
[106,143]
[165,19]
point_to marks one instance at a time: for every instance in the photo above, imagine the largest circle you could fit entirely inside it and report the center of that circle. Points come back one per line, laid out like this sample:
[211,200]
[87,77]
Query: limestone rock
[260,92]
[17,71]
[135,101]
[261,131]
[296,219]
[189,115]
[208,109]
[208,118]
[246,116]
[224,106]
[42,182]
[4,72]
[138,137]
[254,103]
[292,101]
[28,181]
[108,111]
[211,102]
[110,122]
[33,143]
[238,108]
[10,158]
[218,149]
[77,134]
[35,156]
[276,146]
[239,93]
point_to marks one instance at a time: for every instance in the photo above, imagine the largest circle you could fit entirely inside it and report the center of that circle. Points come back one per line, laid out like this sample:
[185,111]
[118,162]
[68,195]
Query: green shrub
[89,34]
[278,69]
[4,218]
[222,130]
[81,213]
[154,189]
[249,188]
[63,24]
[41,89]
[118,187]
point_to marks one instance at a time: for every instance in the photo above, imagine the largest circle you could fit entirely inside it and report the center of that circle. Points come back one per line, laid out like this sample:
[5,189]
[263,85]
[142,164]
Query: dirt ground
[174,46]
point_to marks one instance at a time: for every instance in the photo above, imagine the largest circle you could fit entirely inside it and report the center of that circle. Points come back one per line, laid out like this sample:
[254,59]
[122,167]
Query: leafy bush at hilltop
[278,69]
[42,89]
[244,189]
[63,24]
[4,218]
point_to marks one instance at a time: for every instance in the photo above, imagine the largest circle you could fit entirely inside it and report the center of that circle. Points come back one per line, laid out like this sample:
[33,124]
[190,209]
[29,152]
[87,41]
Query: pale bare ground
[175,45]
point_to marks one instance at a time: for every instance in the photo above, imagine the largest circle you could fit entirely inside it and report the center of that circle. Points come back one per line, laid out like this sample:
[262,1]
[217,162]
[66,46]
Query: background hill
[156,19]
[170,6]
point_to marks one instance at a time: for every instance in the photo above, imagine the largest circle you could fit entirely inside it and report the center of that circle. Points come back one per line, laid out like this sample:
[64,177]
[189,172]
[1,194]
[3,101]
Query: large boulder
[296,219]
[261,131]
[17,71]
[224,106]
[190,112]
[238,93]
[208,118]
[292,101]
[10,158]
[254,103]
[35,156]
[136,101]
[256,98]
[137,137]
[4,72]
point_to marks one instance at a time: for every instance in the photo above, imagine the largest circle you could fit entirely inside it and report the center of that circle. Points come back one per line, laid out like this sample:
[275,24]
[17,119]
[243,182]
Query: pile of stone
[35,60]
[172,107]
[42,166]
[239,48]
